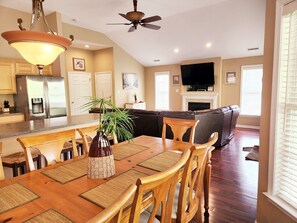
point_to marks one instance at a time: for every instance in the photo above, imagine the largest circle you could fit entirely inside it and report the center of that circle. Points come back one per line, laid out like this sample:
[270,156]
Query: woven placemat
[161,161]
[105,194]
[49,216]
[68,172]
[15,195]
[125,150]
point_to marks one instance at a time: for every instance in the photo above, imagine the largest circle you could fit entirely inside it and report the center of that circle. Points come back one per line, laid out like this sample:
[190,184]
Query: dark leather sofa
[222,120]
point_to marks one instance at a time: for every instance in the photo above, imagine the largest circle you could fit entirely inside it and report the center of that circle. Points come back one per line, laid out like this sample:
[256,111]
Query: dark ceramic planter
[101,161]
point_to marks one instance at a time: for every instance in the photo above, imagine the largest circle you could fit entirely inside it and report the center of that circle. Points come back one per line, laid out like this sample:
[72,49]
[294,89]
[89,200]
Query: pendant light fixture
[38,48]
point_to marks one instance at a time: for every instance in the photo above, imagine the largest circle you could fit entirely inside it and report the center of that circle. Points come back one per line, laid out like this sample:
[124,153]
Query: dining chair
[157,191]
[87,134]
[187,201]
[50,146]
[188,197]
[2,176]
[113,213]
[179,127]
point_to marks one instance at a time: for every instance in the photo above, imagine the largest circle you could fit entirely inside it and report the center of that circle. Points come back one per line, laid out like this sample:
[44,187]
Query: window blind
[162,91]
[285,172]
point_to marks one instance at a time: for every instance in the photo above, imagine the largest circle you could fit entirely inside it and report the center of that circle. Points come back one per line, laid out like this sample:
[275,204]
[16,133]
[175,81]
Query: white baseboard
[248,126]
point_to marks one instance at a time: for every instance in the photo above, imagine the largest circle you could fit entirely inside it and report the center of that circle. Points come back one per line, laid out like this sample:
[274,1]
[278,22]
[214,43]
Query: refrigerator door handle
[46,101]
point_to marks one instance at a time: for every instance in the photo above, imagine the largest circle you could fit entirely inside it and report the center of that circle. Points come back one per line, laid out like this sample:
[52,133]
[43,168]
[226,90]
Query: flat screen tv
[201,74]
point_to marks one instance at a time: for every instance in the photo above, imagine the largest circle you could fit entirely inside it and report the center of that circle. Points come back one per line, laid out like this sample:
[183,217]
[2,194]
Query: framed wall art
[175,80]
[230,77]
[79,64]
[130,81]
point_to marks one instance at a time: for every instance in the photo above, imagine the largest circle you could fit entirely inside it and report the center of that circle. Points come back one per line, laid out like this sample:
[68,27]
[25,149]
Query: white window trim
[241,87]
[163,73]
[283,206]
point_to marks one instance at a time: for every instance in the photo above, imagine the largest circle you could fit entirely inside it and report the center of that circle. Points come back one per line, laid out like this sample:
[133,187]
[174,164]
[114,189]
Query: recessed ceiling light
[87,46]
[208,45]
[176,50]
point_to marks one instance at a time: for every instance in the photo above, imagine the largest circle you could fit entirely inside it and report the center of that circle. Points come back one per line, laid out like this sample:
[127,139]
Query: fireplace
[193,106]
[205,99]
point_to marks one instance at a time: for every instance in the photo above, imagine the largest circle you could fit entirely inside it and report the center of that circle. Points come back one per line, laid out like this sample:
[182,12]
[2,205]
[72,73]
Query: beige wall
[217,72]
[8,21]
[175,99]
[103,60]
[122,62]
[231,92]
[175,102]
[266,211]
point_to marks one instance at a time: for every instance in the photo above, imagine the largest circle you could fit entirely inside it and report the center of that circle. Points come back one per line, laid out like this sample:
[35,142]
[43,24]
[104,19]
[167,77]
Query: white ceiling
[232,26]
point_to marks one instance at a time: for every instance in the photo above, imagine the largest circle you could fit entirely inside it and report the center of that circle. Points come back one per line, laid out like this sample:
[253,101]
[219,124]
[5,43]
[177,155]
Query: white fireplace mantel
[203,97]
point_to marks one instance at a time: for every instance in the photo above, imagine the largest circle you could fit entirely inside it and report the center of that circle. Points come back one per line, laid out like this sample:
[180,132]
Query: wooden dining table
[67,198]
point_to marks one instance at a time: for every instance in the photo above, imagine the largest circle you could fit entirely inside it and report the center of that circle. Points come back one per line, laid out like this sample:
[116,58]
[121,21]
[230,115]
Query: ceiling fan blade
[118,23]
[151,26]
[125,16]
[132,28]
[151,19]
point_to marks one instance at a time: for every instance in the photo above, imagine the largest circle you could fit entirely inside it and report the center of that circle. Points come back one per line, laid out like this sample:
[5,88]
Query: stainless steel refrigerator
[40,97]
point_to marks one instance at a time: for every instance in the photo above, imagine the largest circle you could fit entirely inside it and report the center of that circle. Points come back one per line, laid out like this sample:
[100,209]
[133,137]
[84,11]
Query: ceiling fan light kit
[135,18]
[38,48]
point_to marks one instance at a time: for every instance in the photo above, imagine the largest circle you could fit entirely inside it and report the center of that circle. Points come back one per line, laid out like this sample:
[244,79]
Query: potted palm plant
[112,121]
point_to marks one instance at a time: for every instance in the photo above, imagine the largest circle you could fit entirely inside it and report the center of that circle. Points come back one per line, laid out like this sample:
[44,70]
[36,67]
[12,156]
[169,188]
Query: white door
[80,89]
[103,84]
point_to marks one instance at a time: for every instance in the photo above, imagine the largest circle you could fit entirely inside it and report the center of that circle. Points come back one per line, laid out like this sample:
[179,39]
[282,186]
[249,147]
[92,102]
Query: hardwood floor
[234,181]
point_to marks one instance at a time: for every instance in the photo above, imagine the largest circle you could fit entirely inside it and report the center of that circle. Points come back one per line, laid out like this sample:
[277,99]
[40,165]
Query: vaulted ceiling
[230,26]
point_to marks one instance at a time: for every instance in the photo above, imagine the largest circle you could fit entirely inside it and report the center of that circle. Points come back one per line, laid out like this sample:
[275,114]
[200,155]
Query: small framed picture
[79,64]
[230,77]
[175,80]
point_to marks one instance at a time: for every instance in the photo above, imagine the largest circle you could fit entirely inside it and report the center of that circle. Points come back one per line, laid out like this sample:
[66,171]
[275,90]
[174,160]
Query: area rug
[253,153]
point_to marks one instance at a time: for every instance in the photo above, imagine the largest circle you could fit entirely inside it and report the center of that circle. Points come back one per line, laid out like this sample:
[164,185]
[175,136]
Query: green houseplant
[112,121]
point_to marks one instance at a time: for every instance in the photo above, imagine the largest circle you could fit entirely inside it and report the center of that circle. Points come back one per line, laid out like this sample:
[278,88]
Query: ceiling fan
[135,18]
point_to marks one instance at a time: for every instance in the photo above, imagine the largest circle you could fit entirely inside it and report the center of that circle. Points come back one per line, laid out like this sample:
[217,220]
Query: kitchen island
[10,132]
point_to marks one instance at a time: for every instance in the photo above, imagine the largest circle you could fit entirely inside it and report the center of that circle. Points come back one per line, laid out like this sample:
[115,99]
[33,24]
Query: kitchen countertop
[15,129]
[10,114]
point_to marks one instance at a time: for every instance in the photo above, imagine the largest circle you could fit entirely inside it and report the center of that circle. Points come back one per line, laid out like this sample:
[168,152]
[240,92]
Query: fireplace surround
[199,97]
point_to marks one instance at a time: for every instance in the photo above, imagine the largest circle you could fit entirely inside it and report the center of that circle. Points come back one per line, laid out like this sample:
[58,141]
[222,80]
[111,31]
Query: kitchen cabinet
[30,69]
[7,76]
[11,118]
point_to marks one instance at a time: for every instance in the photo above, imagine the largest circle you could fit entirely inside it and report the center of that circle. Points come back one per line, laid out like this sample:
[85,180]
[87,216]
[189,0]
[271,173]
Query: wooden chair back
[193,180]
[50,146]
[90,132]
[158,189]
[179,127]
[191,187]
[113,213]
[212,139]
[2,176]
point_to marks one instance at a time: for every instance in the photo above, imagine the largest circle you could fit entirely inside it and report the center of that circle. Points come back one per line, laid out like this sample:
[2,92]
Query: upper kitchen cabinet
[30,69]
[7,75]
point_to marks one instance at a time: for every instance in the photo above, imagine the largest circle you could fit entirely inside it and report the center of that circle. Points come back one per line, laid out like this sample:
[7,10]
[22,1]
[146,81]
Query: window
[283,160]
[162,90]
[251,89]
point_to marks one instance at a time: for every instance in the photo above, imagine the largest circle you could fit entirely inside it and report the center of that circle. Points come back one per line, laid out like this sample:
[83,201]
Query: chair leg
[15,171]
[23,168]
[38,162]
